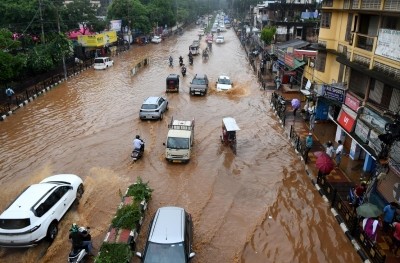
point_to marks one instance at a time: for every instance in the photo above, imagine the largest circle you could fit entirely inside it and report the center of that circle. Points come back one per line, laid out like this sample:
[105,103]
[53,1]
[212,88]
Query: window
[348,36]
[326,20]
[320,61]
[391,22]
[327,3]
[358,83]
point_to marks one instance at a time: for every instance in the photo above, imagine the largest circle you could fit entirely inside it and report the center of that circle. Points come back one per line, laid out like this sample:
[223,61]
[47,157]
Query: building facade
[357,74]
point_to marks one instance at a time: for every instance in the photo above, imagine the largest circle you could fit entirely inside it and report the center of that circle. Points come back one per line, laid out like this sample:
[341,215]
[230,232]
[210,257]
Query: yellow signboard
[98,40]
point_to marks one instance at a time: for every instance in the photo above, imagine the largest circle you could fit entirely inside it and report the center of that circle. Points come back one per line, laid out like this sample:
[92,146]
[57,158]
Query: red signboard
[346,121]
[352,102]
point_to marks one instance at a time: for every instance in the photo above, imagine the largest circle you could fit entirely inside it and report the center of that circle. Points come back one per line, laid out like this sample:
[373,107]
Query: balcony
[364,41]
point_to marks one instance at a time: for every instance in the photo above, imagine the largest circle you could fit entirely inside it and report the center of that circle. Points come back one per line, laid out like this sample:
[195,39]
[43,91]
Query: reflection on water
[256,206]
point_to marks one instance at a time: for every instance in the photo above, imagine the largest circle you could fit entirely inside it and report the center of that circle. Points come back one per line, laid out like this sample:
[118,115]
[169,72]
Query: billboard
[98,40]
[388,44]
[115,25]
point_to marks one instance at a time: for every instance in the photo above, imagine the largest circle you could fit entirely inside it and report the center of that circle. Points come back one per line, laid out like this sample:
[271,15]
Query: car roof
[21,206]
[200,76]
[168,225]
[223,77]
[151,100]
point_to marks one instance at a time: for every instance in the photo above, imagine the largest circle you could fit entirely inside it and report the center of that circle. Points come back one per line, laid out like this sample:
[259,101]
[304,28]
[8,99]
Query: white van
[103,62]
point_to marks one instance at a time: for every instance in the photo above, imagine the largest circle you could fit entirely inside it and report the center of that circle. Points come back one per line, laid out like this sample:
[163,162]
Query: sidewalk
[349,173]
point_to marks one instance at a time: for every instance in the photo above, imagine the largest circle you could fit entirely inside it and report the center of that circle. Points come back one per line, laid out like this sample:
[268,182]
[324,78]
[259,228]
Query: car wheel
[161,116]
[52,231]
[167,108]
[80,192]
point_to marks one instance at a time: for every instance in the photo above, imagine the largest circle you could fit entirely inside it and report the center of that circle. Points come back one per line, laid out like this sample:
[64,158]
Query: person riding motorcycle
[183,70]
[80,238]
[181,60]
[190,58]
[171,60]
[138,144]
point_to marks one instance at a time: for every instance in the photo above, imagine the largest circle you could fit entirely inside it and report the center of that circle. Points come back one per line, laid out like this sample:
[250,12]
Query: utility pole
[41,21]
[63,56]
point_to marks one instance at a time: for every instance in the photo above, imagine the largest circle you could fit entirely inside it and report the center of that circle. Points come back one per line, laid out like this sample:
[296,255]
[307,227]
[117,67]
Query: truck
[179,141]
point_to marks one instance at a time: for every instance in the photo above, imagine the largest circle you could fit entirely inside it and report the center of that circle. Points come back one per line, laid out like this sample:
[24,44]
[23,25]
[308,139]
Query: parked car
[156,39]
[36,212]
[153,108]
[103,62]
[199,85]
[170,237]
[220,39]
[224,83]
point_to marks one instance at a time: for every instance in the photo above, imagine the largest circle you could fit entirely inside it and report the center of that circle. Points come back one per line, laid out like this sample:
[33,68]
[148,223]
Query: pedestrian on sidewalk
[278,82]
[10,92]
[338,153]
[309,144]
[396,238]
[388,216]
[370,226]
[311,113]
[329,149]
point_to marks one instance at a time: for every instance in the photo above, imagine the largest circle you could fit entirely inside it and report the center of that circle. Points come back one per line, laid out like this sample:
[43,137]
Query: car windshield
[199,81]
[98,60]
[14,223]
[220,38]
[149,106]
[165,253]
[224,81]
[178,143]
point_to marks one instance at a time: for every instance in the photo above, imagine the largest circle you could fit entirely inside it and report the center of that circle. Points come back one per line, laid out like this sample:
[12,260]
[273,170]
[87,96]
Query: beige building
[357,75]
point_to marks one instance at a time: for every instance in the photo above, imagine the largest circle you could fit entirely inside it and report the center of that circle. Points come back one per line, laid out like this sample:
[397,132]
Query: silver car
[153,108]
[170,237]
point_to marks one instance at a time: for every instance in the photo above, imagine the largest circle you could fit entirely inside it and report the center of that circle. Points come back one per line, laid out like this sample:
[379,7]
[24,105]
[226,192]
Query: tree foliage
[267,34]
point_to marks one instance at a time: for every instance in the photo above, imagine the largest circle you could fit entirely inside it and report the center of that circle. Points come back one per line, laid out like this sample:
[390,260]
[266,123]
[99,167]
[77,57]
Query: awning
[297,64]
[294,43]
[363,145]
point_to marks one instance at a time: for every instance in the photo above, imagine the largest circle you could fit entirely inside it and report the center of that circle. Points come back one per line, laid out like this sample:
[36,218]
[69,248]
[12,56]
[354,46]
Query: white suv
[102,62]
[35,214]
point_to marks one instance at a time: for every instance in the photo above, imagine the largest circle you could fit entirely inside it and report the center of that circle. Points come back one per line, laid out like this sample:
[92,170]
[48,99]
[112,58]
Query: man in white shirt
[339,152]
[137,143]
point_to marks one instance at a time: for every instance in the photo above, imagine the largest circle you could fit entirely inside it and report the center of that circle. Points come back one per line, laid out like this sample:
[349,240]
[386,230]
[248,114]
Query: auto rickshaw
[229,128]
[172,83]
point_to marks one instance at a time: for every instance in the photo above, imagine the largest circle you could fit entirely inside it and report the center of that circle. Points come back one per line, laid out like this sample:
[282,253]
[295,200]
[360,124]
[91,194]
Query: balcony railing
[364,42]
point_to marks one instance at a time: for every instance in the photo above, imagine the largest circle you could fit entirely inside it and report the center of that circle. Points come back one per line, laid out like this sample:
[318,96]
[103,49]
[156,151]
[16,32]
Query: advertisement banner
[115,25]
[346,120]
[388,44]
[362,131]
[98,40]
[373,119]
[352,102]
[374,142]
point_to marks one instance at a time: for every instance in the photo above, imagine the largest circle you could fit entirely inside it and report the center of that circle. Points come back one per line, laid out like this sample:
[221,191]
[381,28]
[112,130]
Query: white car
[103,62]
[220,39]
[36,212]
[156,39]
[224,83]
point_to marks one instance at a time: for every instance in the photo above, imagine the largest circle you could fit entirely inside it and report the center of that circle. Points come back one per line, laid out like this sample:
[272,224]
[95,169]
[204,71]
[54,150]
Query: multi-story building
[357,76]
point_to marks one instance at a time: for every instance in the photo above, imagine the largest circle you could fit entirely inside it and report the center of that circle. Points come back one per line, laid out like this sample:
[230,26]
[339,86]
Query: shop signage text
[352,102]
[346,121]
[333,93]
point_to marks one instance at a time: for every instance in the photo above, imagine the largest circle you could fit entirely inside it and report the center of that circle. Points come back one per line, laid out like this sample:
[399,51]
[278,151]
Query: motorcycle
[191,61]
[171,62]
[137,153]
[181,61]
[78,254]
[183,70]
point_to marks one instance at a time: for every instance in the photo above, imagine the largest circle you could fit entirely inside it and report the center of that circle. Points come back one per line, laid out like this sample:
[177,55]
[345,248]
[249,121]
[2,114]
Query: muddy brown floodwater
[257,206]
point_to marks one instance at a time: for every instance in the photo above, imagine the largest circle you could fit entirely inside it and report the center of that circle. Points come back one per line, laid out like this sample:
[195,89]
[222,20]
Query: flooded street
[258,206]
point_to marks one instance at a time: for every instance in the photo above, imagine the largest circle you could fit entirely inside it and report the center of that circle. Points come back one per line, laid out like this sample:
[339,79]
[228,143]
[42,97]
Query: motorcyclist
[80,238]
[190,57]
[138,144]
[171,60]
[183,70]
[180,60]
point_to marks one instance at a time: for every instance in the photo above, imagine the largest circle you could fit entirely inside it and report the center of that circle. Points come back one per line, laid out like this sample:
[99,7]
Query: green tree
[133,14]
[82,13]
[267,34]
[11,62]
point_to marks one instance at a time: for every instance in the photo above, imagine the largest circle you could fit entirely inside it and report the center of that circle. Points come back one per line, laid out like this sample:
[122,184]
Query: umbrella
[317,154]
[368,210]
[295,103]
[324,163]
